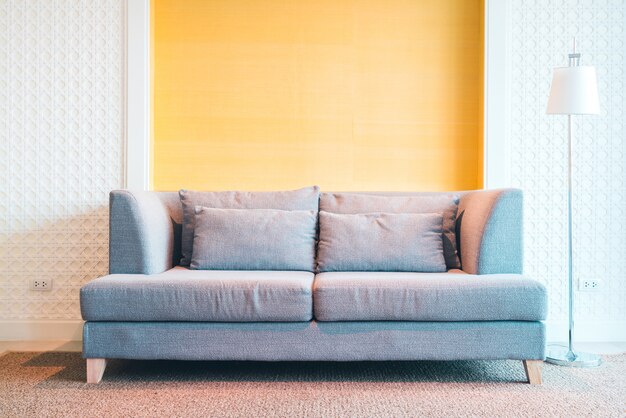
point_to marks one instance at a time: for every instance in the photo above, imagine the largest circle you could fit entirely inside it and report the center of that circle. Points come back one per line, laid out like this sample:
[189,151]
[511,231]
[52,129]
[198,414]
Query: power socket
[589,285]
[41,284]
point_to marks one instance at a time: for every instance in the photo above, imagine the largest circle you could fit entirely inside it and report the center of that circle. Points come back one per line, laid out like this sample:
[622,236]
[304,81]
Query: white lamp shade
[574,91]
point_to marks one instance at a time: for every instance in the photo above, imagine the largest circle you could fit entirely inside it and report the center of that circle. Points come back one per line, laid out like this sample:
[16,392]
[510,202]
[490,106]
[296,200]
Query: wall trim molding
[497,95]
[137,94]
[587,331]
[41,330]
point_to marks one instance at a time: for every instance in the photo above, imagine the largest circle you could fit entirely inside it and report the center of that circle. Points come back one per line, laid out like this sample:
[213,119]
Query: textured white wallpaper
[61,149]
[541,34]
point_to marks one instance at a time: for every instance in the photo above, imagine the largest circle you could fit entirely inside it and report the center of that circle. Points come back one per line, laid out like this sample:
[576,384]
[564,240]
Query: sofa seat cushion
[450,296]
[181,294]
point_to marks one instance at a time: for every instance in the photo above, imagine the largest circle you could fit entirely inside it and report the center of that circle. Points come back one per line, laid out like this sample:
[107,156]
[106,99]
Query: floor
[5,346]
[53,384]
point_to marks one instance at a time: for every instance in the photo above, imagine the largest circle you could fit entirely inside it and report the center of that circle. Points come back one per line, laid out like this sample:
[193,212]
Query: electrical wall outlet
[41,284]
[589,285]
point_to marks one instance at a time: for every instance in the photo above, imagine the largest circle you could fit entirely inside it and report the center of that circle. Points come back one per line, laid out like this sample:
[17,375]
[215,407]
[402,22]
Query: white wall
[61,151]
[541,34]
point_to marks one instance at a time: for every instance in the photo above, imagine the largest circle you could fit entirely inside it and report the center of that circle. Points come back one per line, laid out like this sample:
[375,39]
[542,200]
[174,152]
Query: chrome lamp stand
[573,91]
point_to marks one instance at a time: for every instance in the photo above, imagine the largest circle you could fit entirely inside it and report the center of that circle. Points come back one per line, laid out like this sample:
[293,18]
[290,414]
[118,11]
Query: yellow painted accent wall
[346,94]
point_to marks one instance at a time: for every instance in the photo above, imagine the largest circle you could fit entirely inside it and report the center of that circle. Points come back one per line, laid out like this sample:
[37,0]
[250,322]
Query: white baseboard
[72,330]
[41,330]
[587,331]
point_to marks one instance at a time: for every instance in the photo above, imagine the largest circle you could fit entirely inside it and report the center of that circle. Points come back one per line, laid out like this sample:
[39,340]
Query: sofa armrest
[141,233]
[490,226]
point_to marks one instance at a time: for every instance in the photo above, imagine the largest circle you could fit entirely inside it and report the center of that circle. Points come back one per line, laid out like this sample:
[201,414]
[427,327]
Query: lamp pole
[570,267]
[574,61]
[566,356]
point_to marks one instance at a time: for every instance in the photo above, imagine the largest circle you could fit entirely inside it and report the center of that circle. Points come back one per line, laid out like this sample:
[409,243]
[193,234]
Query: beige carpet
[51,384]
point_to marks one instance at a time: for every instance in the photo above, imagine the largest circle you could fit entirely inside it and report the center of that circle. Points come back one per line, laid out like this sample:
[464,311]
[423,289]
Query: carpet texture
[52,384]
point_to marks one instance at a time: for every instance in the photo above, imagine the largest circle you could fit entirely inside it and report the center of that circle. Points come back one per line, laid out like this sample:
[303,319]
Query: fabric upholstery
[491,231]
[141,233]
[180,294]
[171,202]
[327,341]
[381,242]
[254,239]
[444,203]
[144,238]
[302,199]
[384,296]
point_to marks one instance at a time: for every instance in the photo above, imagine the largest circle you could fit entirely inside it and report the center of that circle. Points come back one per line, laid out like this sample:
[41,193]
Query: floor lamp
[574,91]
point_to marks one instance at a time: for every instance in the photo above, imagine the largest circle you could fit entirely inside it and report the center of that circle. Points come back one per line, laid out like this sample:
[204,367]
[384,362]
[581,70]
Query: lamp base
[562,356]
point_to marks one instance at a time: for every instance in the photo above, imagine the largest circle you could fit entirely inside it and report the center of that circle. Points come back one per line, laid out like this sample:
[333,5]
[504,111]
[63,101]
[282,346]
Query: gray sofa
[149,307]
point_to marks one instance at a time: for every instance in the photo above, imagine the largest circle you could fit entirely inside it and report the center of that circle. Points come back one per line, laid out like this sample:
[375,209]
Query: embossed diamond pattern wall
[541,34]
[61,149]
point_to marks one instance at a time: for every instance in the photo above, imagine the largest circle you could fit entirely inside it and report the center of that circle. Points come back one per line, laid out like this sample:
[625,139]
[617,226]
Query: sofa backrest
[145,230]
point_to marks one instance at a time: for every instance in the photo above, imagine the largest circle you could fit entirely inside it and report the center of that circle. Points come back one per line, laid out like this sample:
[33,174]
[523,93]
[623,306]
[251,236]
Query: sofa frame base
[314,341]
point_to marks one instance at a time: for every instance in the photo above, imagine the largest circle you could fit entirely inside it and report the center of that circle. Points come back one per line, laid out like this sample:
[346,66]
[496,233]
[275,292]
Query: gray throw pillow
[301,199]
[254,239]
[445,203]
[381,242]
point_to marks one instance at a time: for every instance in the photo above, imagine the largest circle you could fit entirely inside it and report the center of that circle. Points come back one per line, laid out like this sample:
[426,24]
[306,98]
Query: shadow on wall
[69,251]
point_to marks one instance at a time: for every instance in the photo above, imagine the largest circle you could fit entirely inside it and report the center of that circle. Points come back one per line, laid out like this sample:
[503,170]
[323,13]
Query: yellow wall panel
[346,94]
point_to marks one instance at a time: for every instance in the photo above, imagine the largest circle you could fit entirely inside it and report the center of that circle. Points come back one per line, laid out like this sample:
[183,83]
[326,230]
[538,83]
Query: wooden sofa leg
[95,369]
[533,371]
